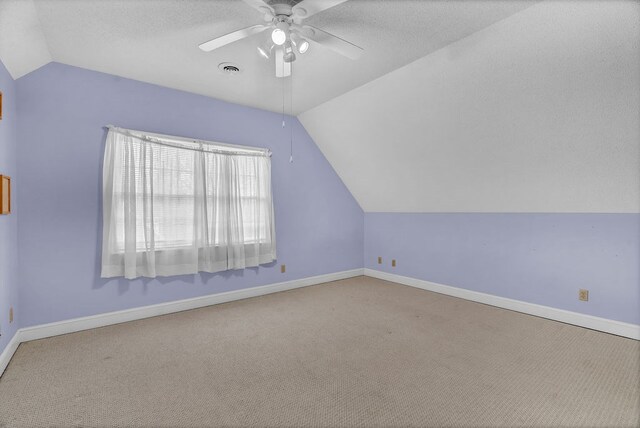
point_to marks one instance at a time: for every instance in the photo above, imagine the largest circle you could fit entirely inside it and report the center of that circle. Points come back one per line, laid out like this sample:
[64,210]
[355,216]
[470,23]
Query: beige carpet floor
[358,352]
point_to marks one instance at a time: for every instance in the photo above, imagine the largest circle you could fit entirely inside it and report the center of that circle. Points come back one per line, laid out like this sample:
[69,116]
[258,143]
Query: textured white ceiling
[537,113]
[23,47]
[156,41]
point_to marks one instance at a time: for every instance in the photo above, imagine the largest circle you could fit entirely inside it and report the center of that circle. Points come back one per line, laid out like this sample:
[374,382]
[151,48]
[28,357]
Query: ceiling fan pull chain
[291,127]
[282,90]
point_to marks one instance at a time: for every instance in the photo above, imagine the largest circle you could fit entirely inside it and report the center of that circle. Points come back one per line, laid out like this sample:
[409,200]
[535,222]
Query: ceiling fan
[288,33]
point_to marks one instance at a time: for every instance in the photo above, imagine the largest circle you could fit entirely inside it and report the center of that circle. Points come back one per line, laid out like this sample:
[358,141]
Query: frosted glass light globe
[278,36]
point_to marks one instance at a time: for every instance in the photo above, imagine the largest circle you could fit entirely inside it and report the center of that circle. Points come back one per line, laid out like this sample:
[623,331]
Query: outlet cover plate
[583,295]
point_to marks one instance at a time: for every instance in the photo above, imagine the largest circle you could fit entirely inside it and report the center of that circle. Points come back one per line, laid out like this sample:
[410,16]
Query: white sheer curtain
[175,206]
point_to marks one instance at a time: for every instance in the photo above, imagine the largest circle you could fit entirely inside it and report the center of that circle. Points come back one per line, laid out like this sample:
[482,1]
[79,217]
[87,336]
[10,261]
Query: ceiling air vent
[229,68]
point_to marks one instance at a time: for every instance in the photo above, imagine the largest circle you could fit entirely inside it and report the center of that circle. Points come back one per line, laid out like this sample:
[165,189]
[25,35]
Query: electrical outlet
[583,295]
[283,268]
[393,263]
[10,314]
[379,260]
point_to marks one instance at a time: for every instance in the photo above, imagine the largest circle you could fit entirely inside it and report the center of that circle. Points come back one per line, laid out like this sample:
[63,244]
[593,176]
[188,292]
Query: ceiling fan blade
[334,43]
[232,37]
[306,8]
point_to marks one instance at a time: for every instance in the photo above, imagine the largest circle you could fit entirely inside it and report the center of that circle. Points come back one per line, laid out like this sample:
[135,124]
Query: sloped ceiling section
[537,113]
[156,41]
[23,47]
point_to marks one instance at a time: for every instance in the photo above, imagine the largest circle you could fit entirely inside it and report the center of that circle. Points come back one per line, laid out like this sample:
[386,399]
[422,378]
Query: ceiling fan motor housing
[283,7]
[282,10]
[282,22]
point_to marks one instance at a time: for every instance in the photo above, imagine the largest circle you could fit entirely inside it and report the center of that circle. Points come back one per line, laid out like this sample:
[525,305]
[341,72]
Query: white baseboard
[8,352]
[85,323]
[619,328]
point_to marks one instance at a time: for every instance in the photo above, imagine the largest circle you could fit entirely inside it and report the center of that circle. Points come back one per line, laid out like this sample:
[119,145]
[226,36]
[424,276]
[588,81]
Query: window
[174,206]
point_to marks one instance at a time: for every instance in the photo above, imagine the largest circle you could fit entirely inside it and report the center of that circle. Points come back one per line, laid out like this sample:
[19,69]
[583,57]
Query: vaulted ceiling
[157,41]
[537,113]
[455,106]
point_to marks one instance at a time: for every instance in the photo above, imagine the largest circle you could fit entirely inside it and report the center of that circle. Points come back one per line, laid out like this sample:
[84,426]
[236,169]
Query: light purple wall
[8,223]
[62,111]
[536,258]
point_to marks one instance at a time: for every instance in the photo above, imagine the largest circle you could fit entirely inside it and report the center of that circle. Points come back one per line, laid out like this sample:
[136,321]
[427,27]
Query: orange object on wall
[5,194]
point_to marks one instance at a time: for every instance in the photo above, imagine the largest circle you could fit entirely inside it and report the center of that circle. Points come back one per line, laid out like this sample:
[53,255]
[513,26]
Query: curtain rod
[150,136]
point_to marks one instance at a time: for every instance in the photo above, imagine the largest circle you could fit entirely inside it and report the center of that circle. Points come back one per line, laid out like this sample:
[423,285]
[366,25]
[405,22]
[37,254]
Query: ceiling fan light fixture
[278,36]
[302,45]
[265,49]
